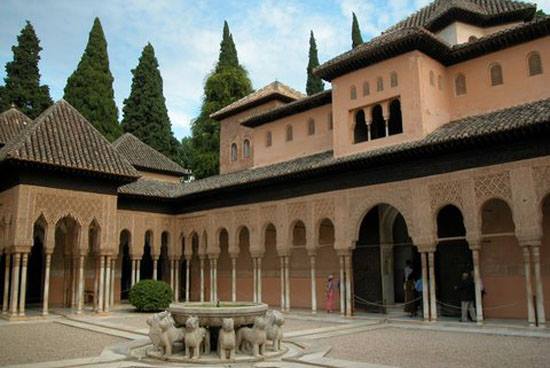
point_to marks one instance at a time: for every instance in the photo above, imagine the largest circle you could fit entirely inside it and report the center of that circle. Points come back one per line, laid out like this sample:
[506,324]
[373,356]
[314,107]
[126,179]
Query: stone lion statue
[255,337]
[274,328]
[227,340]
[195,337]
[163,332]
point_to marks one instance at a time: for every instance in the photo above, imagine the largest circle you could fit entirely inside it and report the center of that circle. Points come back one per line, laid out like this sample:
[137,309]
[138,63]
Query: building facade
[430,147]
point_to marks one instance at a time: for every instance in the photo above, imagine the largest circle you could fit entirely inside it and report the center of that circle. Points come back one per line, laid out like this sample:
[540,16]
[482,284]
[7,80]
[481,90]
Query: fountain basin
[212,314]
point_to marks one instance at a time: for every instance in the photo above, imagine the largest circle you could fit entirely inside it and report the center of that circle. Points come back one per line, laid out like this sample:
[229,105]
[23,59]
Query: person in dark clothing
[466,291]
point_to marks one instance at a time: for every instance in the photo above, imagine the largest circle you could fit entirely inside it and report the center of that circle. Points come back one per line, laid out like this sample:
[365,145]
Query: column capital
[343,252]
[312,252]
[256,254]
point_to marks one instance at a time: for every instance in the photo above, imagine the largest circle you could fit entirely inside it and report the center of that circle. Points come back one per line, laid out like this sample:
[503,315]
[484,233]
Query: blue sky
[271,38]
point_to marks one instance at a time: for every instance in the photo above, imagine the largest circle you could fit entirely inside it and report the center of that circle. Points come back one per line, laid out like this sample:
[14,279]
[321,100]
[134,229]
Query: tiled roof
[480,128]
[403,40]
[145,157]
[12,122]
[440,13]
[273,91]
[61,137]
[279,112]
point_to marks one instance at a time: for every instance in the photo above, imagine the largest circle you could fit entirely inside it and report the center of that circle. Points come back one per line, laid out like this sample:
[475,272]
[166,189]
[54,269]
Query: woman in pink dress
[331,294]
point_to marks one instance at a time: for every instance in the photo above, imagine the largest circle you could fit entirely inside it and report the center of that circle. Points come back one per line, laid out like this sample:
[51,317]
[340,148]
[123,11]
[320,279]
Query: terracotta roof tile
[62,137]
[12,122]
[145,157]
[272,91]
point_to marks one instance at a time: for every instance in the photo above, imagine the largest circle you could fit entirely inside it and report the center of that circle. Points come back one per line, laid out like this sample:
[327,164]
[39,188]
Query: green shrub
[150,295]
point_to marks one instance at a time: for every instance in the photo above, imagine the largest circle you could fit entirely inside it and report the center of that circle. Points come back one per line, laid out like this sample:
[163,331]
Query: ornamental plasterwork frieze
[297,211]
[324,208]
[541,176]
[55,206]
[268,214]
[493,186]
[446,193]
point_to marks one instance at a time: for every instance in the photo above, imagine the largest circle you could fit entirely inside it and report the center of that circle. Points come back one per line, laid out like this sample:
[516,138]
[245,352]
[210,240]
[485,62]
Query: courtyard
[322,340]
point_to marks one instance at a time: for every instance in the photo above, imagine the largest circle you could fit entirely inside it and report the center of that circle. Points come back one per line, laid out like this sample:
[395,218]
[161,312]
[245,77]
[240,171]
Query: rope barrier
[501,306]
[366,302]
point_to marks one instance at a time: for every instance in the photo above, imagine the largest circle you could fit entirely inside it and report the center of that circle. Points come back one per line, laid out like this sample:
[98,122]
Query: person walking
[466,290]
[409,289]
[331,294]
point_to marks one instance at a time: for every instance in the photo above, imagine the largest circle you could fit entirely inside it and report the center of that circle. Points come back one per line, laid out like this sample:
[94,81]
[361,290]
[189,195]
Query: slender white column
[541,317]
[313,285]
[433,305]
[107,306]
[133,272]
[177,281]
[287,284]
[187,281]
[283,305]
[425,294]
[233,279]
[138,270]
[101,285]
[528,286]
[96,285]
[80,296]
[342,287]
[202,278]
[172,283]
[23,292]
[259,280]
[113,273]
[46,288]
[14,298]
[255,281]
[74,280]
[347,262]
[6,284]
[155,263]
[477,281]
[215,268]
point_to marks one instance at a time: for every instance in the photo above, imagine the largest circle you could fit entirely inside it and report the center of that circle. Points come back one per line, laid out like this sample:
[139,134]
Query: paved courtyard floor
[66,340]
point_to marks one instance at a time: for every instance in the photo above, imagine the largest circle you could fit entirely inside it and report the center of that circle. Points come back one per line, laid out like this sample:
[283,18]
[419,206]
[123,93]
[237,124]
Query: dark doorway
[125,266]
[146,266]
[35,270]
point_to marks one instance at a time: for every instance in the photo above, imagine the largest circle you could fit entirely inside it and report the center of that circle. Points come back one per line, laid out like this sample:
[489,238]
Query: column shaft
[313,285]
[541,317]
[528,286]
[259,280]
[107,294]
[234,279]
[187,281]
[283,306]
[477,281]
[287,284]
[425,294]
[6,295]
[101,284]
[80,296]
[215,279]
[46,288]
[342,290]
[23,291]
[138,270]
[14,298]
[113,274]
[433,305]
[347,261]
[172,281]
[155,267]
[202,279]
[254,280]
[133,272]
[177,281]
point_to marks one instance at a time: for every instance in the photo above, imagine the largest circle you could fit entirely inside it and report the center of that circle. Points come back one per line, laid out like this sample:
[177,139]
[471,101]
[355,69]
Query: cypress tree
[356,38]
[227,83]
[22,82]
[145,113]
[314,83]
[90,88]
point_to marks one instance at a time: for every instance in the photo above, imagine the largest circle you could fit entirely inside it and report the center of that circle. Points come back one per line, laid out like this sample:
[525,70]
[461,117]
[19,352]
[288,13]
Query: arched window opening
[472,38]
[289,133]
[379,84]
[234,153]
[311,127]
[496,74]
[360,131]
[432,78]
[268,139]
[353,93]
[395,124]
[460,85]
[378,125]
[393,80]
[366,89]
[246,148]
[535,64]
[329,119]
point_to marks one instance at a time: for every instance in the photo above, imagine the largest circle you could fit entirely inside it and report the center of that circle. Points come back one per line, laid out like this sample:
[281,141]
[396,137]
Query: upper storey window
[246,148]
[496,74]
[393,80]
[460,85]
[353,93]
[366,89]
[234,153]
[535,63]
[379,84]
[268,139]
[378,125]
[395,124]
[311,127]
[289,133]
[360,130]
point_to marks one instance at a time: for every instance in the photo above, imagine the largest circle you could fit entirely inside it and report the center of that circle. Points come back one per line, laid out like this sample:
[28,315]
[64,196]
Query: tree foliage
[150,296]
[540,13]
[145,113]
[22,82]
[314,83]
[356,38]
[90,88]
[227,83]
